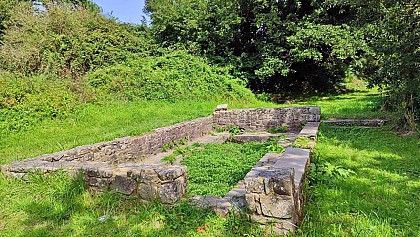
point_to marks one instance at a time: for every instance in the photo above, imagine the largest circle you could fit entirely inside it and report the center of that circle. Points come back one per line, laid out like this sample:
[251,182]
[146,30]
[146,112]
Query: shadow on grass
[381,199]
[59,206]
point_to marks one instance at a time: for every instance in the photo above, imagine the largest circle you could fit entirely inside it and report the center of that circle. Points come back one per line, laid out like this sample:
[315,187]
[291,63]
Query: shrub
[172,76]
[28,100]
[65,39]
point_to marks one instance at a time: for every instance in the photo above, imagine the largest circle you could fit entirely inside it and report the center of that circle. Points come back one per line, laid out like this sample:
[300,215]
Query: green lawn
[381,198]
[97,123]
[217,168]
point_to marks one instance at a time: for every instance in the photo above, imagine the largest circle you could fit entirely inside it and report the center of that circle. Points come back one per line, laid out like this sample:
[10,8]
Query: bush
[66,40]
[28,100]
[172,76]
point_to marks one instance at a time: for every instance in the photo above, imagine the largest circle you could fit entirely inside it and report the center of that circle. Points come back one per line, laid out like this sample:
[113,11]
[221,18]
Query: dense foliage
[302,46]
[56,56]
[66,40]
[172,76]
[275,46]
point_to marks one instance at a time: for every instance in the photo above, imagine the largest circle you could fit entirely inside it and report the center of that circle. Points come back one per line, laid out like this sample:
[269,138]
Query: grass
[362,104]
[101,123]
[381,198]
[217,168]
[59,206]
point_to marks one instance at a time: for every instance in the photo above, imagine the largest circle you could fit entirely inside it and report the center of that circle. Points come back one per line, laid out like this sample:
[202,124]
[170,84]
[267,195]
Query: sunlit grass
[96,123]
[381,199]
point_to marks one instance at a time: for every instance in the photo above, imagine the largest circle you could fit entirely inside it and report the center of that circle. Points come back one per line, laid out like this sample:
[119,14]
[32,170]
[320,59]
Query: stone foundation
[271,191]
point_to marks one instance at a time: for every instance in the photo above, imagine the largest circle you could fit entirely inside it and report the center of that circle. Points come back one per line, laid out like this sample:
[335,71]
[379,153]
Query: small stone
[148,191]
[171,173]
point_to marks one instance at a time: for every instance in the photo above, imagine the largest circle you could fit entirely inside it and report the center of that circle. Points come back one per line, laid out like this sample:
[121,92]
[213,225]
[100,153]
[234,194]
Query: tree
[267,42]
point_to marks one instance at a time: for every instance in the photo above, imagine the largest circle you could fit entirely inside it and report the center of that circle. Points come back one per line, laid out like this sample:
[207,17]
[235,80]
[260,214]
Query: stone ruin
[271,193]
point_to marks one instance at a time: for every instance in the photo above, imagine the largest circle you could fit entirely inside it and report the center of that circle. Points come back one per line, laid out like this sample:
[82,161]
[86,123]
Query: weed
[303,142]
[279,129]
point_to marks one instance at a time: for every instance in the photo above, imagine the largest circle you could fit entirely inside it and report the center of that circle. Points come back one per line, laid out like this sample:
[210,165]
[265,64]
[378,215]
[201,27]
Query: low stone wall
[134,148]
[164,184]
[272,190]
[266,118]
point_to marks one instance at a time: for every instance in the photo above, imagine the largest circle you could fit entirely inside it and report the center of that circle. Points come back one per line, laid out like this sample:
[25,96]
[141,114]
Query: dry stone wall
[134,148]
[266,118]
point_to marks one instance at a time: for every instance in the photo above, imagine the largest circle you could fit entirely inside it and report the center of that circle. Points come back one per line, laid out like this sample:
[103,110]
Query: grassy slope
[101,123]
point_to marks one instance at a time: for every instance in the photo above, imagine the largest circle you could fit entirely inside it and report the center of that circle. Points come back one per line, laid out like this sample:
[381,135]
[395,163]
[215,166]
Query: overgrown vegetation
[55,205]
[217,168]
[70,76]
[303,46]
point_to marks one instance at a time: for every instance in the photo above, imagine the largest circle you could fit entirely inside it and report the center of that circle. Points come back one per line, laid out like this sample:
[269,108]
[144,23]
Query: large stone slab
[298,160]
[310,130]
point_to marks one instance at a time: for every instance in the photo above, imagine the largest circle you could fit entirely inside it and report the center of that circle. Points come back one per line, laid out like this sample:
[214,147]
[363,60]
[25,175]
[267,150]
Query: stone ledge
[310,130]
[356,122]
[298,159]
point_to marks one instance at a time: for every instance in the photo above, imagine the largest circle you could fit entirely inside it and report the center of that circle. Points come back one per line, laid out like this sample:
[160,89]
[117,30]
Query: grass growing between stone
[381,197]
[217,168]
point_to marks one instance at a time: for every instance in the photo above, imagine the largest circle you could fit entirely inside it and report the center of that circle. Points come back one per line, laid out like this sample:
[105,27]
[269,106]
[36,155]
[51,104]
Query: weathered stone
[254,184]
[253,137]
[148,191]
[147,175]
[122,184]
[266,180]
[221,107]
[310,130]
[222,206]
[100,183]
[277,206]
[171,173]
[295,158]
[253,203]
[173,191]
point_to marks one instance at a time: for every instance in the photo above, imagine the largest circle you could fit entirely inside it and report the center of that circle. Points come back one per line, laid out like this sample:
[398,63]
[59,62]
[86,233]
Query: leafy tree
[269,43]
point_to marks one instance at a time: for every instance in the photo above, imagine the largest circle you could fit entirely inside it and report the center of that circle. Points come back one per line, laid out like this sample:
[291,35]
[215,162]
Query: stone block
[173,191]
[147,175]
[277,206]
[100,183]
[171,173]
[148,191]
[122,184]
[298,160]
[267,180]
[253,204]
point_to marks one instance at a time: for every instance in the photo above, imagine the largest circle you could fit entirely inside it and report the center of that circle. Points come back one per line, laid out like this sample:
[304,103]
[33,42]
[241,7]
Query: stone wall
[134,148]
[265,118]
[148,182]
